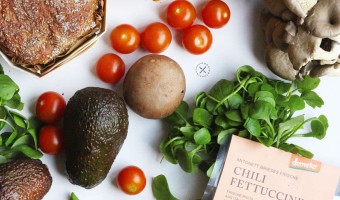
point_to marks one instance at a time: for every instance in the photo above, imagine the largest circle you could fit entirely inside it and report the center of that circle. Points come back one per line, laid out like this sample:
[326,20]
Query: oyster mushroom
[284,34]
[324,19]
[300,7]
[306,47]
[278,62]
[326,70]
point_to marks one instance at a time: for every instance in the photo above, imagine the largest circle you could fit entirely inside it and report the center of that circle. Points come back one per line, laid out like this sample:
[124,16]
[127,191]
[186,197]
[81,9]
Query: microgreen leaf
[312,99]
[73,196]
[234,115]
[235,101]
[308,84]
[202,117]
[160,188]
[7,87]
[295,149]
[224,135]
[180,114]
[221,89]
[253,126]
[296,103]
[28,151]
[202,136]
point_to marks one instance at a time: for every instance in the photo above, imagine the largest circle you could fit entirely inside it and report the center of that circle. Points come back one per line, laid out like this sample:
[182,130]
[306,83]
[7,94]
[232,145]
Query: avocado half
[95,127]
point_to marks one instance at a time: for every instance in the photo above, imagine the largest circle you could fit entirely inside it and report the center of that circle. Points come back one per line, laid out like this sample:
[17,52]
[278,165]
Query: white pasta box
[252,171]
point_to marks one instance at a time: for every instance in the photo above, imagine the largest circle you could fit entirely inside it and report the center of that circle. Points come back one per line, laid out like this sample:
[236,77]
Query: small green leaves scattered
[160,188]
[253,107]
[73,196]
[20,137]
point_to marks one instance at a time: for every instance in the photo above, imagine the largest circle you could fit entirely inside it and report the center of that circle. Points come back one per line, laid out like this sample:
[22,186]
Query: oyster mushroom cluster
[302,37]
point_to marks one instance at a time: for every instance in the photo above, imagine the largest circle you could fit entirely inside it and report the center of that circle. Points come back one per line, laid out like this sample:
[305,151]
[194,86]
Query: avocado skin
[95,127]
[24,179]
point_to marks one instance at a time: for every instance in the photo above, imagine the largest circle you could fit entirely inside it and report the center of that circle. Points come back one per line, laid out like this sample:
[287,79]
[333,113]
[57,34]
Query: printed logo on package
[302,163]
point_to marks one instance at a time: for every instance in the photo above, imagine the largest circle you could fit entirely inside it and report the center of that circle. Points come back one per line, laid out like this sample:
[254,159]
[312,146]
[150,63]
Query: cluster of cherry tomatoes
[50,107]
[156,37]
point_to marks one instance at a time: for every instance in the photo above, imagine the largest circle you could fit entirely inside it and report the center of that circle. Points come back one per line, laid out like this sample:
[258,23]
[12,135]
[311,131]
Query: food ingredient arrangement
[90,129]
[303,37]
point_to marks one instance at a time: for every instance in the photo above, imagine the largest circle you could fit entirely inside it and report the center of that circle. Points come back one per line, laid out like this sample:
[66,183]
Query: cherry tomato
[110,68]
[125,38]
[197,39]
[156,37]
[131,180]
[216,14]
[180,14]
[51,139]
[50,107]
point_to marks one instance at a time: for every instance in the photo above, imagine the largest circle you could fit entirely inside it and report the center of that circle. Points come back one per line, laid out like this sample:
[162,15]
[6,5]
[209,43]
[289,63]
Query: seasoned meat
[37,31]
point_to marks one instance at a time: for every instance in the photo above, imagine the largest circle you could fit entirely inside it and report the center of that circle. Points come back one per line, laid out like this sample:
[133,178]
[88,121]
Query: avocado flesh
[95,127]
[24,179]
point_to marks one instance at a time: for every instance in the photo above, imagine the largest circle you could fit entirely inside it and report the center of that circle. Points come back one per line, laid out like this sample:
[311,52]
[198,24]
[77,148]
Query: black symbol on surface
[203,70]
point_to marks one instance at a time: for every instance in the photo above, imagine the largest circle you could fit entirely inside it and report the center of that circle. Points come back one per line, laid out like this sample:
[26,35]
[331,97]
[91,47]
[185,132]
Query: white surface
[236,44]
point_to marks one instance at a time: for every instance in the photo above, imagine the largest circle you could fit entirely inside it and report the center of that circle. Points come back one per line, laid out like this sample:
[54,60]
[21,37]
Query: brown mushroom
[306,47]
[332,70]
[300,7]
[278,62]
[324,19]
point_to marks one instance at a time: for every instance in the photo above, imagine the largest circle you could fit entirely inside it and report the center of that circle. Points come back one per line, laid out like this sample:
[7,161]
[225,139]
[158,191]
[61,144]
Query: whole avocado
[24,179]
[95,127]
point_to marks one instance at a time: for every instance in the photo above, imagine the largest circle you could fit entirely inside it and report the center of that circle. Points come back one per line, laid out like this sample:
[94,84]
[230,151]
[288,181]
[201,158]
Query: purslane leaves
[20,137]
[254,107]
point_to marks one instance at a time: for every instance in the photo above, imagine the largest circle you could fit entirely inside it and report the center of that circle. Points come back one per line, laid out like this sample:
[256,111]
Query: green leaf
[14,102]
[234,115]
[295,149]
[11,138]
[244,108]
[224,135]
[296,103]
[210,170]
[18,119]
[3,159]
[253,126]
[202,136]
[23,140]
[28,151]
[307,84]
[312,99]
[180,114]
[167,152]
[7,87]
[188,131]
[262,110]
[265,141]
[202,117]
[221,121]
[221,89]
[73,196]
[185,160]
[265,96]
[235,101]
[282,87]
[290,124]
[160,188]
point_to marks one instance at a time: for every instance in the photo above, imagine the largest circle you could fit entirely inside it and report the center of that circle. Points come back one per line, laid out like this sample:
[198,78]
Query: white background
[239,43]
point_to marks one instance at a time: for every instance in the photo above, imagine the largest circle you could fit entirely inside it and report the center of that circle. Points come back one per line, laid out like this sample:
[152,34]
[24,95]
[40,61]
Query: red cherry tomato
[110,68]
[156,37]
[131,180]
[180,14]
[51,139]
[50,107]
[216,14]
[125,38]
[197,39]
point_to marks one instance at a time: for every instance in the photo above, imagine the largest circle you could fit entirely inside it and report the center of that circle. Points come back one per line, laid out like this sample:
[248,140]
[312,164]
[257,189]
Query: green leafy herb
[18,135]
[253,107]
[160,188]
[73,196]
